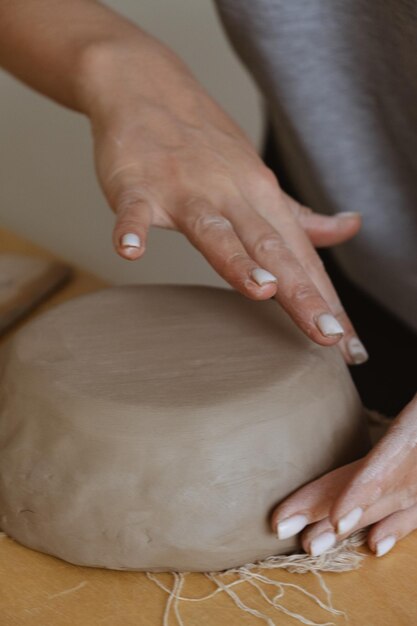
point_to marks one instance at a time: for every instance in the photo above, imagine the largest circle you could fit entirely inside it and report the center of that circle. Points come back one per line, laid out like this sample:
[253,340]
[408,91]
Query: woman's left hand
[379,490]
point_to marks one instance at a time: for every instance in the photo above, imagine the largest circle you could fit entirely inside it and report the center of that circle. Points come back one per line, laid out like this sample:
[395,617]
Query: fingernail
[348,214]
[329,326]
[357,351]
[291,526]
[130,240]
[322,543]
[262,277]
[349,521]
[385,545]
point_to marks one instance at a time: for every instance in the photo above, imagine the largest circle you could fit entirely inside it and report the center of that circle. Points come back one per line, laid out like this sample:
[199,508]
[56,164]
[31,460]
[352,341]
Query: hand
[167,155]
[379,491]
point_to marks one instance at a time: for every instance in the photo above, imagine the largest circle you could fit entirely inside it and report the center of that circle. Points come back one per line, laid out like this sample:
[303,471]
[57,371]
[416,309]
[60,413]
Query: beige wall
[48,190]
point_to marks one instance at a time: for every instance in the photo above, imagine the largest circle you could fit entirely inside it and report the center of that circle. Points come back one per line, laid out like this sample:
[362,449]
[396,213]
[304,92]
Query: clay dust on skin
[392,452]
[215,221]
[401,440]
[259,275]
[388,456]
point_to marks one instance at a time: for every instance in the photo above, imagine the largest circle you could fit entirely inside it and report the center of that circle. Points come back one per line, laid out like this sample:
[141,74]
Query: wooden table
[41,590]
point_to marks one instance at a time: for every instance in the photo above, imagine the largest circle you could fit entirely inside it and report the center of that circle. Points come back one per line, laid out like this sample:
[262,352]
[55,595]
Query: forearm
[65,49]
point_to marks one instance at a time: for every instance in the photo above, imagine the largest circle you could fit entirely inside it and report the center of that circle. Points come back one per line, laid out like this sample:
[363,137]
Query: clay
[155,427]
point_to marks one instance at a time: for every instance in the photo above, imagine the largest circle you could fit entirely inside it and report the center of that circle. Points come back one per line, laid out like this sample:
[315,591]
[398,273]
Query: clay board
[25,282]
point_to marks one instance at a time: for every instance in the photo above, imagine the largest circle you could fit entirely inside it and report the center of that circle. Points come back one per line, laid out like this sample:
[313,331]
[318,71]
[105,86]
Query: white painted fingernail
[291,526]
[323,542]
[130,240]
[329,326]
[385,545]
[262,277]
[349,521]
[357,351]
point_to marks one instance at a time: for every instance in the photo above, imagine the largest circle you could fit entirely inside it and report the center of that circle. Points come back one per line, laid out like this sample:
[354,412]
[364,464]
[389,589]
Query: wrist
[115,75]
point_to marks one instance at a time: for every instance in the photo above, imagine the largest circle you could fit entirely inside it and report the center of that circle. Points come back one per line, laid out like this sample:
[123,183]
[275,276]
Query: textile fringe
[341,558]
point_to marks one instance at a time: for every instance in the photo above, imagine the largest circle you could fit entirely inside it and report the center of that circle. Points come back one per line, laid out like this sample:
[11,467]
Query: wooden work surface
[41,590]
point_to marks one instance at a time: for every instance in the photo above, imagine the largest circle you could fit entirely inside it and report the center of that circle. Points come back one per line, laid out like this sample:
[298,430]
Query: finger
[268,200]
[295,292]
[388,524]
[327,230]
[281,216]
[213,235]
[133,220]
[387,528]
[385,534]
[374,510]
[134,208]
[389,468]
[352,348]
[310,503]
[318,538]
[321,536]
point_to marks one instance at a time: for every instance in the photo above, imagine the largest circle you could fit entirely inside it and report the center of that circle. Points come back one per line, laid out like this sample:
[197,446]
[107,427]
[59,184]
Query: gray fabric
[340,81]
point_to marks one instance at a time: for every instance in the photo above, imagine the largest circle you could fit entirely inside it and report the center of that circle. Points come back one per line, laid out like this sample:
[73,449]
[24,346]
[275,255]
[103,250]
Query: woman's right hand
[167,155]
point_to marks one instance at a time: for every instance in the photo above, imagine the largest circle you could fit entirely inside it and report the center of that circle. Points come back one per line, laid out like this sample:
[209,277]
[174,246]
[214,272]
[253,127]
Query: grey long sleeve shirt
[340,81]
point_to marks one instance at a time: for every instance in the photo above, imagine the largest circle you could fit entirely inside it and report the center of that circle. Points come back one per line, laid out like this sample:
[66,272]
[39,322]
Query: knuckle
[264,182]
[408,498]
[202,224]
[303,292]
[126,225]
[232,261]
[300,211]
[268,242]
[268,176]
[128,199]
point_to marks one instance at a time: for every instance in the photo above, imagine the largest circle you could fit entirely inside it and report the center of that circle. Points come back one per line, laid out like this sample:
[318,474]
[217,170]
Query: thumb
[133,219]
